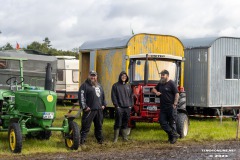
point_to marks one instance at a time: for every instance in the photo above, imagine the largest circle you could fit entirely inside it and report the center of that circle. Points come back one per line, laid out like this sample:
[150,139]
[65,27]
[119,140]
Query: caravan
[67,78]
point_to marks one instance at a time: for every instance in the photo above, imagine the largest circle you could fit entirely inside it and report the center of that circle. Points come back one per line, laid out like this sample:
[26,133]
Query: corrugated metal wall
[223,92]
[195,79]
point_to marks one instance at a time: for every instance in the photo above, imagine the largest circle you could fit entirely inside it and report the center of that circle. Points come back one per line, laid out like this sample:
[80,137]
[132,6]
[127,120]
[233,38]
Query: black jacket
[121,94]
[91,96]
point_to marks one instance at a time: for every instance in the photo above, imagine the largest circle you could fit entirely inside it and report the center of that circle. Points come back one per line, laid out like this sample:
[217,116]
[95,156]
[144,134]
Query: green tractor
[29,111]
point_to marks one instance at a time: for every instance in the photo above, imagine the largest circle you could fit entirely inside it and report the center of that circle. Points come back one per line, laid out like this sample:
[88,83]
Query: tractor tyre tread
[18,134]
[75,137]
[181,118]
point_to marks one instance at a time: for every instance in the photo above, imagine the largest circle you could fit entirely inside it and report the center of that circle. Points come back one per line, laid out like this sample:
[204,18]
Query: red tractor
[146,104]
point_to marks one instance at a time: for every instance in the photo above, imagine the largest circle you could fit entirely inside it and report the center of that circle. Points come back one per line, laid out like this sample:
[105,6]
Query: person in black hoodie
[122,99]
[92,101]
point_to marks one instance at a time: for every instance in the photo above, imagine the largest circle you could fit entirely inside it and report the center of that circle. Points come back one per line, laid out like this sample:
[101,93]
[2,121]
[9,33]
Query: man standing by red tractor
[122,99]
[169,95]
[92,101]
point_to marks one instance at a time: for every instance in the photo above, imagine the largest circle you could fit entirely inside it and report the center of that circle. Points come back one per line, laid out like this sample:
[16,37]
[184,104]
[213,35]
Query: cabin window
[60,75]
[232,67]
[3,64]
[154,68]
[75,76]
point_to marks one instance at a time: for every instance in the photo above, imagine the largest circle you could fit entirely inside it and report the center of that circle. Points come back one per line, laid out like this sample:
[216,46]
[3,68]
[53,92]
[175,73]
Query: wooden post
[221,115]
[238,124]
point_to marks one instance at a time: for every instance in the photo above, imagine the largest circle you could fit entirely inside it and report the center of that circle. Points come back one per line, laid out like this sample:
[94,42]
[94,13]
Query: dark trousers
[122,116]
[168,117]
[95,116]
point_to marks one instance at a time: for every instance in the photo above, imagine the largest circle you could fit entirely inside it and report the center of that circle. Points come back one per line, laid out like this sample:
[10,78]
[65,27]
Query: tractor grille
[41,106]
[149,97]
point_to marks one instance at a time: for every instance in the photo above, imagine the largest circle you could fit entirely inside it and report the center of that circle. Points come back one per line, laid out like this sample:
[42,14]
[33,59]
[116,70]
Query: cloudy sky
[68,23]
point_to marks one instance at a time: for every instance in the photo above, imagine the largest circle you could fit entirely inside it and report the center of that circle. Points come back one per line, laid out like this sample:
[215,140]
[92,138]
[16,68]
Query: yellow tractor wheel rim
[12,140]
[69,141]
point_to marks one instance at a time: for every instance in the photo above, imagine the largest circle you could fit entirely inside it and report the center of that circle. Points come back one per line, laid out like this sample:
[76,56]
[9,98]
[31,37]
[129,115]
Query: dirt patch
[181,150]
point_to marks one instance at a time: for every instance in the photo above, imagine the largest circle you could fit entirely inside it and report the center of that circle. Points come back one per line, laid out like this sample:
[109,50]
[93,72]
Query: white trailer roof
[66,57]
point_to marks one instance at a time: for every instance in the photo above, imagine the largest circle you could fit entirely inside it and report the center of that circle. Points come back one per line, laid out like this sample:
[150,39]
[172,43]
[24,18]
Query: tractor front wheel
[73,137]
[15,138]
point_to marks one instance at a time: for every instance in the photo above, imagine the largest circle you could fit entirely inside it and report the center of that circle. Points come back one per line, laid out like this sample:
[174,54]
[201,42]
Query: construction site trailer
[212,72]
[111,56]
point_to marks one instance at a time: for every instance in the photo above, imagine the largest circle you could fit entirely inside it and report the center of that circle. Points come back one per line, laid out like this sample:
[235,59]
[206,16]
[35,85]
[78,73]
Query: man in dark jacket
[92,101]
[122,99]
[169,95]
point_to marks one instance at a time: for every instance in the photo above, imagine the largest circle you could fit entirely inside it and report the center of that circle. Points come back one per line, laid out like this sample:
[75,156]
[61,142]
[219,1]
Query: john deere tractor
[29,111]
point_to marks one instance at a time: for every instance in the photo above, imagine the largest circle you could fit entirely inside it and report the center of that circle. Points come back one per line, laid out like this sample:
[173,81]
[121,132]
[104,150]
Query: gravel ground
[184,150]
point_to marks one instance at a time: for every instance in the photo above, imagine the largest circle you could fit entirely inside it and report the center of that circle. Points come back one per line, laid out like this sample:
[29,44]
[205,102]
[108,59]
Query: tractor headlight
[146,99]
[49,98]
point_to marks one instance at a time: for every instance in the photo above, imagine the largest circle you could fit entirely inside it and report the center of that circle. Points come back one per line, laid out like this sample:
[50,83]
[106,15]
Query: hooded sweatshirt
[91,96]
[121,94]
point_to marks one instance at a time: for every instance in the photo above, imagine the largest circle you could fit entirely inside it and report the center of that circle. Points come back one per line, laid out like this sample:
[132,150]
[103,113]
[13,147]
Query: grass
[144,134]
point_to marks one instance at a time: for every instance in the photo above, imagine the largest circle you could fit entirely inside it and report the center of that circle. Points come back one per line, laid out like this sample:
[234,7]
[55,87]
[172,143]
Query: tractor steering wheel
[14,79]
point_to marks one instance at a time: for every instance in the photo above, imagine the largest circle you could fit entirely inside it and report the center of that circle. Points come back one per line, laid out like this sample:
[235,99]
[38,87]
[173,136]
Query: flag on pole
[131,29]
[17,46]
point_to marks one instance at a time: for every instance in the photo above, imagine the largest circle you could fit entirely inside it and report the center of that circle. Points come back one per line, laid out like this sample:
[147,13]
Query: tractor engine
[40,104]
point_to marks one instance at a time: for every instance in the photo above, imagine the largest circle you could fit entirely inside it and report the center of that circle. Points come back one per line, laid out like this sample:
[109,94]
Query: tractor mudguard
[65,125]
[182,111]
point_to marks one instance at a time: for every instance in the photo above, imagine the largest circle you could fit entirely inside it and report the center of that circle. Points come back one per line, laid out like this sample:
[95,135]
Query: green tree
[47,42]
[8,46]
[45,47]
[35,46]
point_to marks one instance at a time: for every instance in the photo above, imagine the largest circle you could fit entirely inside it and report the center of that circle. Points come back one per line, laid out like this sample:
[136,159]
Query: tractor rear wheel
[73,137]
[15,138]
[182,100]
[182,124]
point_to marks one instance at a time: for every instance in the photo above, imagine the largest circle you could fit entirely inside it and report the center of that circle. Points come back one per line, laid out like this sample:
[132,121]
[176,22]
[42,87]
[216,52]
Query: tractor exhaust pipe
[48,78]
[146,66]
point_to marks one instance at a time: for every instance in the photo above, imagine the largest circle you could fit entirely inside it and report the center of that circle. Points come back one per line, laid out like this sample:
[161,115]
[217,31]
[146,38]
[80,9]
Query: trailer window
[75,76]
[232,67]
[3,64]
[60,75]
